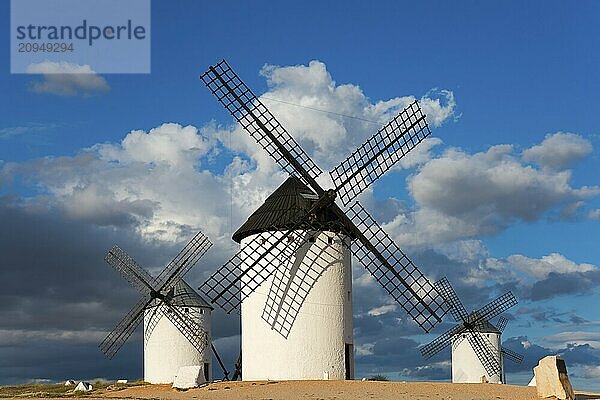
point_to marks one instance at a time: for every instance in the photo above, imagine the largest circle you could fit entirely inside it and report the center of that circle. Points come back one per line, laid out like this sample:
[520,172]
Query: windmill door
[348,355]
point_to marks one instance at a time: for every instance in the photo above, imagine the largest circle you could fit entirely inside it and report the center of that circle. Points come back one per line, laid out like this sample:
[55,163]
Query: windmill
[305,235]
[481,355]
[172,312]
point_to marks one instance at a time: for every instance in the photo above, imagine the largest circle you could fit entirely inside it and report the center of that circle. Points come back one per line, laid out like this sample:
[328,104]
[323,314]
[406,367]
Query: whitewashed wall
[467,368]
[166,349]
[315,346]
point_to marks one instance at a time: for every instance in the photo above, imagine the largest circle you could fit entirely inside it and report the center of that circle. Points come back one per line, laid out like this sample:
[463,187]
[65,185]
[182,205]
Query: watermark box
[71,36]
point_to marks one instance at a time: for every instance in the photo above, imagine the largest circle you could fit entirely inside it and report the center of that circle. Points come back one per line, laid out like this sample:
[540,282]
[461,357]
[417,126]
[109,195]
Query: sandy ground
[329,390]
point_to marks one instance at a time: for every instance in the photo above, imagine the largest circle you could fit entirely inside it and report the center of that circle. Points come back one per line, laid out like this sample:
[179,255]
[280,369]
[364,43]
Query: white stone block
[552,380]
[189,377]
[70,382]
[121,380]
[532,382]
[83,387]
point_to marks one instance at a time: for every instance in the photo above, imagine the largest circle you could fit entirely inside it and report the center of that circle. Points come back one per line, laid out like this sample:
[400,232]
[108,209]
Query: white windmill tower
[466,365]
[477,352]
[312,294]
[292,275]
[166,349]
[176,319]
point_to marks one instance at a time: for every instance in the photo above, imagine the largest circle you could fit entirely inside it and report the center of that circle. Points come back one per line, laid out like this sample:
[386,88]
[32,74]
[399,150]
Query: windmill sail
[155,290]
[378,154]
[407,285]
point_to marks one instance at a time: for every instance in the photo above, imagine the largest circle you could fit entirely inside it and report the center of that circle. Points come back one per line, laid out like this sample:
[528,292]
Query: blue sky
[519,73]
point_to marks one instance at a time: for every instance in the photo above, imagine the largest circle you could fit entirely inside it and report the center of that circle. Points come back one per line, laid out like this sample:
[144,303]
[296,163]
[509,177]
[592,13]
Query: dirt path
[333,390]
[330,390]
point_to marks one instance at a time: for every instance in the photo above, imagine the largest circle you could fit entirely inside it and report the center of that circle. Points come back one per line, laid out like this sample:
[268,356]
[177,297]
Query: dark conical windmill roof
[185,296]
[486,327]
[483,326]
[282,209]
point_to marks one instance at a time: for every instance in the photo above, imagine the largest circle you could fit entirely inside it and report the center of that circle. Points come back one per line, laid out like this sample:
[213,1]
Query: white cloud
[465,251]
[169,144]
[151,178]
[161,182]
[462,196]
[25,129]
[566,337]
[327,137]
[67,79]
[554,262]
[365,349]
[594,214]
[563,339]
[559,150]
[382,310]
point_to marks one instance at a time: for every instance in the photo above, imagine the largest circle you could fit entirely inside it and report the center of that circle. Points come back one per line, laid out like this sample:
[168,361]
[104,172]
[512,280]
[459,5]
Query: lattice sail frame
[421,289]
[256,118]
[355,174]
[378,154]
[292,284]
[501,324]
[229,285]
[185,322]
[150,288]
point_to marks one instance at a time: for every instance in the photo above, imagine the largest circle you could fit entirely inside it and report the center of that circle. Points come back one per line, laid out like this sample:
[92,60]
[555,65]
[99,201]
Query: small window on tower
[187,310]
[329,240]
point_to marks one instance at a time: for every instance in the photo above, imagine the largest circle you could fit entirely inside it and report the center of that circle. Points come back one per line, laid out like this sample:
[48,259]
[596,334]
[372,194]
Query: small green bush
[379,377]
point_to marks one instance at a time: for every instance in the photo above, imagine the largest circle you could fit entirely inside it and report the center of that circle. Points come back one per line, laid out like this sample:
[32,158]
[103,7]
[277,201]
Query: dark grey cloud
[398,355]
[532,353]
[65,360]
[465,196]
[557,284]
[577,320]
[59,298]
[574,355]
[476,283]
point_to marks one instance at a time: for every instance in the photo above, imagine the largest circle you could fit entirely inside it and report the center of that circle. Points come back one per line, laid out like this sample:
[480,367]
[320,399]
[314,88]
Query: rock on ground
[83,387]
[551,379]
